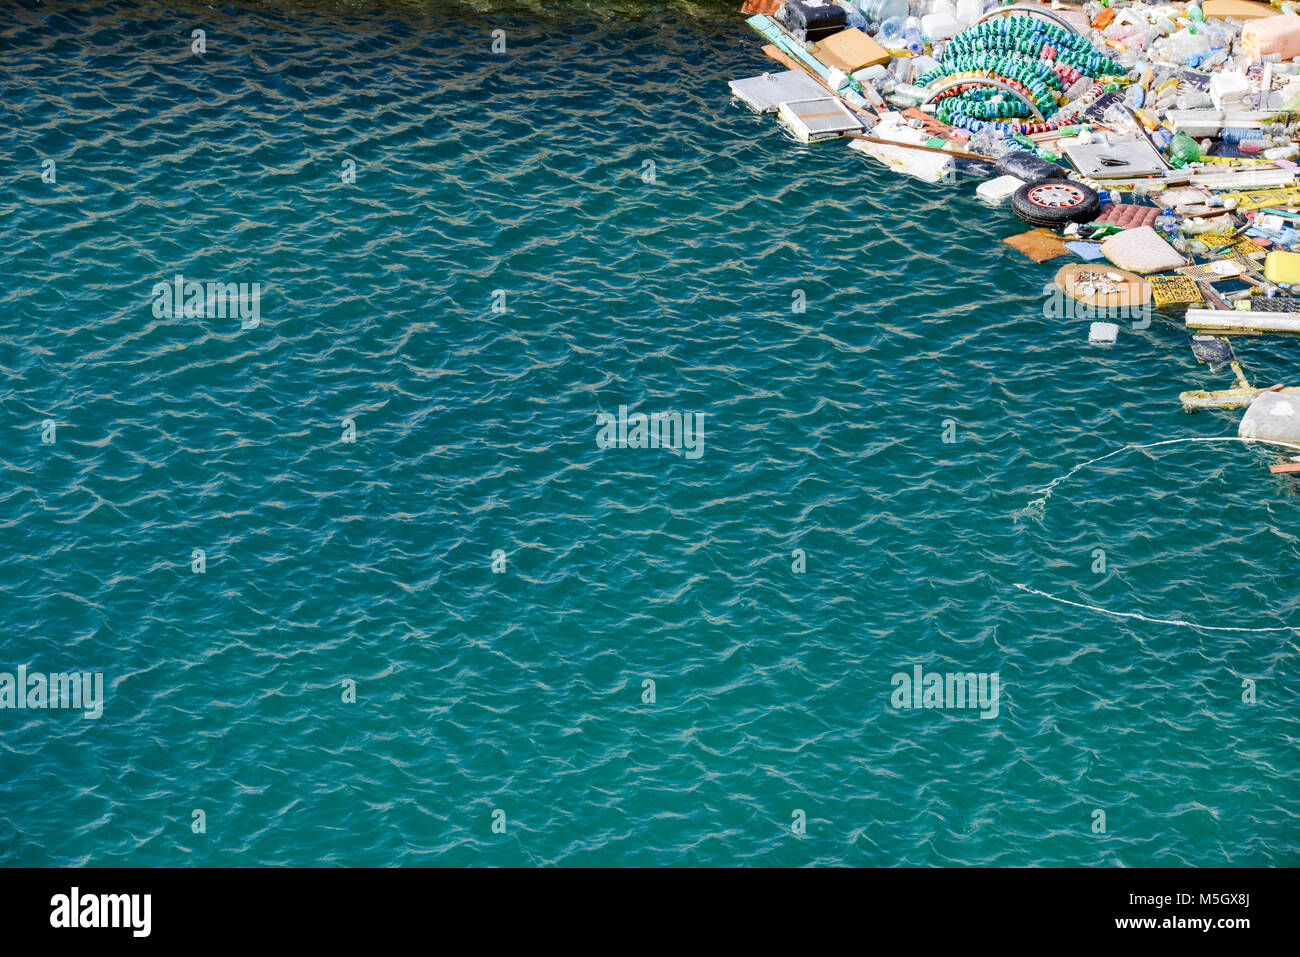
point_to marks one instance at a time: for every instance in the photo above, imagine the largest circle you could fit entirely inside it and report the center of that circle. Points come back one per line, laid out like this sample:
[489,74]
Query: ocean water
[535,236]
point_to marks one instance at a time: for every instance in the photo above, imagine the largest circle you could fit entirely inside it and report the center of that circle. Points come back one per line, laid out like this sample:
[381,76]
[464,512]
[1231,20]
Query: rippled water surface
[525,172]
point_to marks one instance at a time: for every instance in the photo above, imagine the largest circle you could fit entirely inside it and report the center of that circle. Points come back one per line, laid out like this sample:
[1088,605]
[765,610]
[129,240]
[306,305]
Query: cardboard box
[850,50]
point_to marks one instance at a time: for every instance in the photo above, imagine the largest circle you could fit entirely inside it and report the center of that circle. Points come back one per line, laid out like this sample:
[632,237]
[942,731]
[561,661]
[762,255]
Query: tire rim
[1056,196]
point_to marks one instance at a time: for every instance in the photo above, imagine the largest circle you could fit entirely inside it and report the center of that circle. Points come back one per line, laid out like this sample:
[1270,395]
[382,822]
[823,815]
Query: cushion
[1128,216]
[1142,250]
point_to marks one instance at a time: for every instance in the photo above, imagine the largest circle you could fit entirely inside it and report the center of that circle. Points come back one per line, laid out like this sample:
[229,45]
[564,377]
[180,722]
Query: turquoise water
[522,691]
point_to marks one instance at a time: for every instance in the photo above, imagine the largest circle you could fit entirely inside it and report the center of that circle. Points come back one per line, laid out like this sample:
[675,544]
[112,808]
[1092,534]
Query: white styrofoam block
[1228,88]
[870,74]
[1103,333]
[999,189]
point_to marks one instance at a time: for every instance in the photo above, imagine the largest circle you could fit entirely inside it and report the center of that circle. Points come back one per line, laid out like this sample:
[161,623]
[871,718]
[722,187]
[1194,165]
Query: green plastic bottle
[1183,150]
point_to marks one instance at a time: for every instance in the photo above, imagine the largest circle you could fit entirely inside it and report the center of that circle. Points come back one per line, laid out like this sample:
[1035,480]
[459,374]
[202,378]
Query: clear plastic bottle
[891,31]
[876,12]
[912,33]
[1193,100]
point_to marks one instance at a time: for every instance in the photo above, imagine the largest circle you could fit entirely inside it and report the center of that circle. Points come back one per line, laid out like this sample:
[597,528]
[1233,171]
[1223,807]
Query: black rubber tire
[1055,203]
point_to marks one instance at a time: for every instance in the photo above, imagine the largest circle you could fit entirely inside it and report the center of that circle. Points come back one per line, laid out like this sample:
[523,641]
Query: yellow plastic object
[1281,266]
[1174,290]
[1259,198]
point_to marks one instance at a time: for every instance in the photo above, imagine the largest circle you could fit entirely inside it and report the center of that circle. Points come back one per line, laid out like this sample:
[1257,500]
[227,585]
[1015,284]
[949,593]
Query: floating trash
[1161,138]
[1103,333]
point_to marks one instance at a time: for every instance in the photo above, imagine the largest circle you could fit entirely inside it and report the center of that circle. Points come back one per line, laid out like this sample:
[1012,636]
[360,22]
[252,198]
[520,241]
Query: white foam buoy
[1103,333]
[998,190]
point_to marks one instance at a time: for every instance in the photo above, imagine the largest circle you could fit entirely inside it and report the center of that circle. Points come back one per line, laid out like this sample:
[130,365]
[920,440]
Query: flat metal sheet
[818,119]
[766,93]
[1137,158]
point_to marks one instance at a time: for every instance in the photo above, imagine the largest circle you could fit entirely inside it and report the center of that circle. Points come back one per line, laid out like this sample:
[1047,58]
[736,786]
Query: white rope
[1183,623]
[1036,507]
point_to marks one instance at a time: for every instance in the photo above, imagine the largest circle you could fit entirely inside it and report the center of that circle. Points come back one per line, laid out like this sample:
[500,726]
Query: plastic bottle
[1119,119]
[1193,100]
[891,31]
[912,33]
[876,12]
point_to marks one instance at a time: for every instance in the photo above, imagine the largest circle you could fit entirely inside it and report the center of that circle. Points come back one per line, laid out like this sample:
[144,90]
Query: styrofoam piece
[817,119]
[1228,88]
[939,26]
[1142,250]
[1280,35]
[931,167]
[1209,122]
[766,93]
[1272,417]
[998,190]
[1103,333]
[1243,179]
[1242,321]
[870,74]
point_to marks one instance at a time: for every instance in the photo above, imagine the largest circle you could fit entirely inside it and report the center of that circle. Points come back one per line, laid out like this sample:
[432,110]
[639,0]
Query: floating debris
[1161,137]
[1103,333]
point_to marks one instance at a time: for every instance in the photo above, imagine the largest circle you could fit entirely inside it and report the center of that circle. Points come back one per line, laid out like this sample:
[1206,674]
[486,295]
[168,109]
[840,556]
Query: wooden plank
[1283,468]
[1198,401]
[916,146]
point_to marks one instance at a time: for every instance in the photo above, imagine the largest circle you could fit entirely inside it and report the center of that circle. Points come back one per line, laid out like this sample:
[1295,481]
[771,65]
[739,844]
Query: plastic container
[968,11]
[939,26]
[813,20]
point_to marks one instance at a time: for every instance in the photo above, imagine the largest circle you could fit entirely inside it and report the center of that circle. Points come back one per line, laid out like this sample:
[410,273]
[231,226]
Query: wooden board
[1131,289]
[1282,468]
[1237,9]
